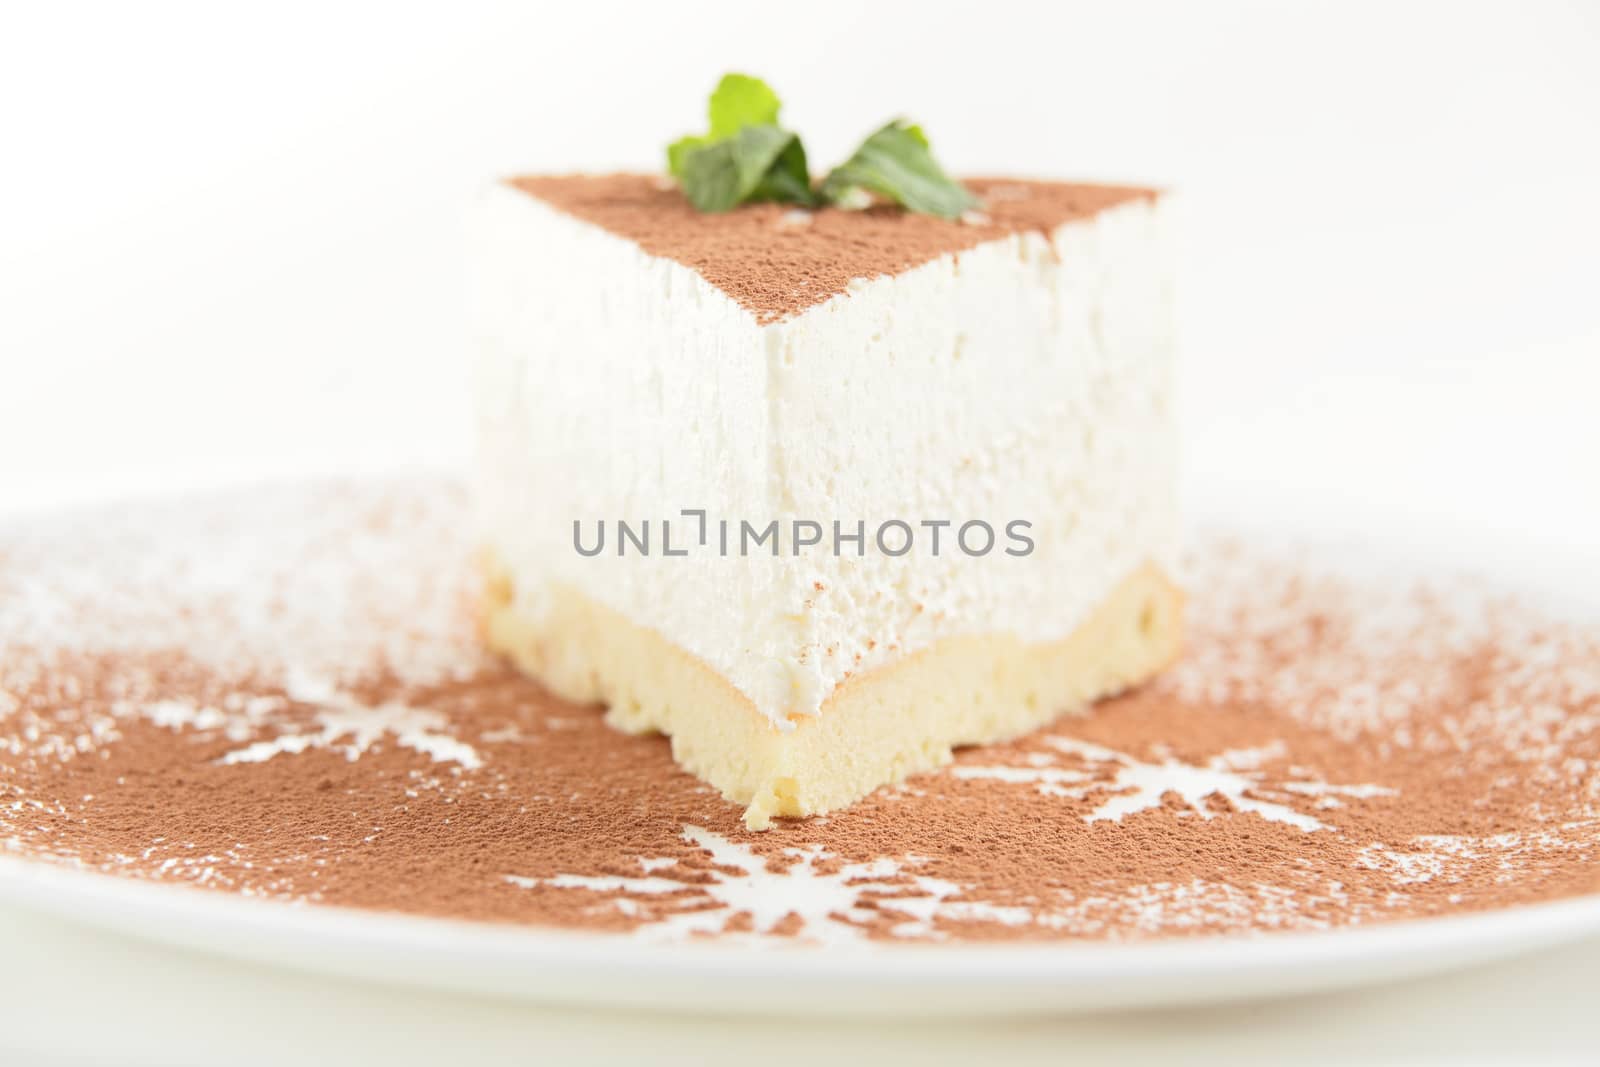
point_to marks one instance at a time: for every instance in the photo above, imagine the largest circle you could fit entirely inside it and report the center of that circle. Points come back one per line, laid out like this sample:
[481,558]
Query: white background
[231,237]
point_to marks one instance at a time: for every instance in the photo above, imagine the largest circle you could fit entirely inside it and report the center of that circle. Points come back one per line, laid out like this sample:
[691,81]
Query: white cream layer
[1028,378]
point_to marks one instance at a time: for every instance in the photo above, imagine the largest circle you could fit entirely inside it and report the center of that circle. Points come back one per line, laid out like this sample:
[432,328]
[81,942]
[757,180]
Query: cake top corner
[777,260]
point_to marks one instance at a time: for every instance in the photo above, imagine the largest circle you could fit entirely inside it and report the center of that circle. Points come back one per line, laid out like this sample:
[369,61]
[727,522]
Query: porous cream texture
[1028,378]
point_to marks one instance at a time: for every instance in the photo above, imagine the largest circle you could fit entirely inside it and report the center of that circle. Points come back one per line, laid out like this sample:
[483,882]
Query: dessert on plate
[825,479]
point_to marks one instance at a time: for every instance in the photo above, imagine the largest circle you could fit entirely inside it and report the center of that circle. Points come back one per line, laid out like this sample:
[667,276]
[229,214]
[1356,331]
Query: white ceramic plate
[869,979]
[560,967]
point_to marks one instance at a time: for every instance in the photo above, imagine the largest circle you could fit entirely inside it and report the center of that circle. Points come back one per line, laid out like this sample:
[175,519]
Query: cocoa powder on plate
[280,694]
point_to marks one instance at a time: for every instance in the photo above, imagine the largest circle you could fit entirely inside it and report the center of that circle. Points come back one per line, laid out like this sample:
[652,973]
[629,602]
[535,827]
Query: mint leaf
[895,163]
[739,101]
[679,150]
[745,156]
[724,174]
[788,180]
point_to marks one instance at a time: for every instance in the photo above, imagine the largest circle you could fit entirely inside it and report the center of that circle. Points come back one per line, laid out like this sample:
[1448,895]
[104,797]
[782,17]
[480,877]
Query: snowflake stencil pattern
[829,907]
[1135,785]
[832,906]
[351,727]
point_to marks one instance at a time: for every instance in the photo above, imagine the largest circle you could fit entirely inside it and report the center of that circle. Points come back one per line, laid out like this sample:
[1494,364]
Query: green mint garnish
[895,163]
[739,101]
[757,163]
[746,156]
[678,152]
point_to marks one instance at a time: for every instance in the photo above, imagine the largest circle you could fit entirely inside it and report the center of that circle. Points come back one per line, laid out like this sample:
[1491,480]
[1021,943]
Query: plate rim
[555,965]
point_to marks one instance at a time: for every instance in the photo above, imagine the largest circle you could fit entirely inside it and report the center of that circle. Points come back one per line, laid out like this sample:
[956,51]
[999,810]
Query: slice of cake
[823,493]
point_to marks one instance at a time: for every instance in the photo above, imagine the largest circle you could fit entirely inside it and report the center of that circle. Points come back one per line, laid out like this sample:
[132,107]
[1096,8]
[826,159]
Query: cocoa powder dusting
[279,694]
[776,260]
